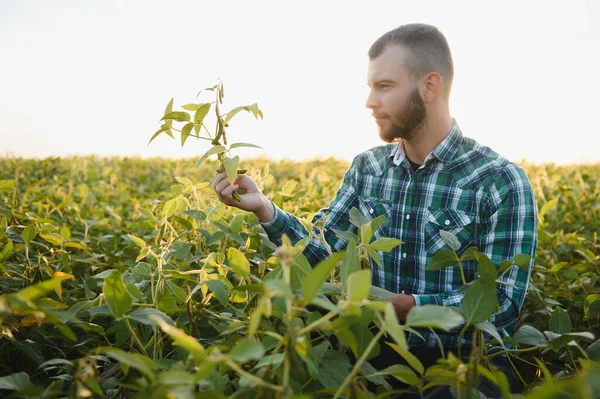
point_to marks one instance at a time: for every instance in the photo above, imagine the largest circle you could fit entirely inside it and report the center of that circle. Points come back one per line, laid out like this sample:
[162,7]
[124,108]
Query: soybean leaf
[178,116]
[450,240]
[442,317]
[140,362]
[231,167]
[318,275]
[358,285]
[480,301]
[356,218]
[350,263]
[491,329]
[529,335]
[247,349]
[238,145]
[146,316]
[238,262]
[216,149]
[220,290]
[441,259]
[560,322]
[385,244]
[201,112]
[29,233]
[181,339]
[185,132]
[118,299]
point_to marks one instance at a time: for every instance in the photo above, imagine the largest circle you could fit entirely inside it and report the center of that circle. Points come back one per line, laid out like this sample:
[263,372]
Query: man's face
[395,101]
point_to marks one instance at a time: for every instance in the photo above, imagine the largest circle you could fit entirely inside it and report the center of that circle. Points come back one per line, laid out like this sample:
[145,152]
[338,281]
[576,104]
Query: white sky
[93,77]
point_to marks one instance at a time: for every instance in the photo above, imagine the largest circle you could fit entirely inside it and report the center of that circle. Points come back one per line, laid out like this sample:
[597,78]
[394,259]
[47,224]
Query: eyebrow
[381,82]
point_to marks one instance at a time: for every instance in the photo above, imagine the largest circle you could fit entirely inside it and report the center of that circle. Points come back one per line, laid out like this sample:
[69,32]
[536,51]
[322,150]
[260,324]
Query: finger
[222,185]
[218,178]
[228,191]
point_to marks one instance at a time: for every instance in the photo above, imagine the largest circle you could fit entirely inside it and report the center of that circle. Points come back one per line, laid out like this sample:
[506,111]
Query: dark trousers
[428,357]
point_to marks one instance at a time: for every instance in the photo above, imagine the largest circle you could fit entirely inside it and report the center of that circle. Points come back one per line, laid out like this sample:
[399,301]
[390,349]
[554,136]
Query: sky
[94,77]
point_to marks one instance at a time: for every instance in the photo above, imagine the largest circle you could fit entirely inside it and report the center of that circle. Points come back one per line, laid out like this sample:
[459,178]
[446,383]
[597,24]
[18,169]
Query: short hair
[427,48]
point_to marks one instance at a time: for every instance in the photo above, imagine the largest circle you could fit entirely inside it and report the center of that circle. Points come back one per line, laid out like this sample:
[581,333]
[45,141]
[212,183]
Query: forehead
[389,65]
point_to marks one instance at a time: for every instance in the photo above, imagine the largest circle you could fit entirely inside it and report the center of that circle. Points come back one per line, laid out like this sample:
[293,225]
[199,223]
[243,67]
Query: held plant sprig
[193,127]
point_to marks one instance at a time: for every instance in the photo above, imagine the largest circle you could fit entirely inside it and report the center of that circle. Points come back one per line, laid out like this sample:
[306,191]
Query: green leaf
[202,111]
[333,368]
[560,322]
[138,241]
[253,108]
[350,263]
[139,362]
[216,149]
[402,373]
[345,235]
[385,244]
[247,349]
[491,329]
[236,223]
[146,316]
[485,267]
[170,207]
[15,382]
[163,128]
[480,301]
[181,339]
[450,240]
[118,299]
[471,253]
[185,132]
[29,233]
[393,328]
[522,260]
[53,238]
[529,335]
[177,116]
[238,262]
[411,359]
[169,107]
[442,317]
[176,377]
[238,145]
[547,207]
[367,229]
[220,291]
[441,259]
[591,305]
[6,251]
[593,351]
[373,254]
[359,283]
[380,293]
[357,218]
[190,107]
[318,275]
[36,291]
[231,167]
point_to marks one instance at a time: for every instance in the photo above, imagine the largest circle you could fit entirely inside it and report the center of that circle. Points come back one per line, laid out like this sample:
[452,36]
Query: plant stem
[359,363]
[250,377]
[316,323]
[135,337]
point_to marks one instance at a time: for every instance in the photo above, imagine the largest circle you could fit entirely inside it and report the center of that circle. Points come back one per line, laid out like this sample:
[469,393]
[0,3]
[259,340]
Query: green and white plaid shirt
[462,187]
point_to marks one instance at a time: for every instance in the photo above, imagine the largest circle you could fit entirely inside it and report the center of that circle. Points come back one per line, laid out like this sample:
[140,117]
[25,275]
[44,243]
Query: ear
[432,87]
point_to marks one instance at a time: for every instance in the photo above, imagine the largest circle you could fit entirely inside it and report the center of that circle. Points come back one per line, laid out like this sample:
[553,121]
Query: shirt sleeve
[335,216]
[508,227]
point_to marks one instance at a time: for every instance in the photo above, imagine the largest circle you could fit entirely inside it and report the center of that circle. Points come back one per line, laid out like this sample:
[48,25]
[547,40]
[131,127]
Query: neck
[431,134]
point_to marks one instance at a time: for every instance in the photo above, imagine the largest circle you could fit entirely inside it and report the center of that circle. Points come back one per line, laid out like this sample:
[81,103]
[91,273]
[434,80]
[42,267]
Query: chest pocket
[371,208]
[459,223]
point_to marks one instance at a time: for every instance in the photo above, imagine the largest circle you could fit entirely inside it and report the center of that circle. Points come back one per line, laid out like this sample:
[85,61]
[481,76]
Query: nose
[372,101]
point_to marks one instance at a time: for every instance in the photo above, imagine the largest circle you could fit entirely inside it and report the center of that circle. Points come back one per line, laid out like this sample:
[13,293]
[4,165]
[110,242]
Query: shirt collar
[444,151]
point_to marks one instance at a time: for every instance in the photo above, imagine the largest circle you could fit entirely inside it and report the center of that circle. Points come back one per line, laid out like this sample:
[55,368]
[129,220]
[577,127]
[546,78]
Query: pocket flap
[449,218]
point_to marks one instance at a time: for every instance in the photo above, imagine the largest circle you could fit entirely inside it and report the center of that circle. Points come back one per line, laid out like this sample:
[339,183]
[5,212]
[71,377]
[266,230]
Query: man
[427,178]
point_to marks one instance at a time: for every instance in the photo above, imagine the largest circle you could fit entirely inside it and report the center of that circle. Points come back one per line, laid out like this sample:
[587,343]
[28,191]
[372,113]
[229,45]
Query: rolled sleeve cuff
[278,225]
[421,300]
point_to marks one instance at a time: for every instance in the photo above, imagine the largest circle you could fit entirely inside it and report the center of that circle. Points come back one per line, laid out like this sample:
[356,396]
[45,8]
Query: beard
[407,121]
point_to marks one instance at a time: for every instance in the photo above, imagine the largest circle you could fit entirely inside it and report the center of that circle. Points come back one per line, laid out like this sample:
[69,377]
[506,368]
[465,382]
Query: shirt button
[404,255]
[447,222]
[371,210]
[407,217]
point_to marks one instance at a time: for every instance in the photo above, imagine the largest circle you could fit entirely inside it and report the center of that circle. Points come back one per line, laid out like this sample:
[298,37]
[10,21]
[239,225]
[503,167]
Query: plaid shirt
[462,187]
